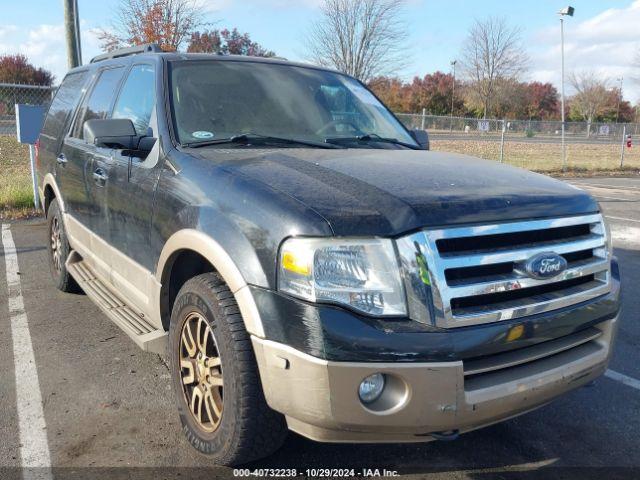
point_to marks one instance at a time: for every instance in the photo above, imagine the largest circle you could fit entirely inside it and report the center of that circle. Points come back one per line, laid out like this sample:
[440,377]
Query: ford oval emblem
[545,265]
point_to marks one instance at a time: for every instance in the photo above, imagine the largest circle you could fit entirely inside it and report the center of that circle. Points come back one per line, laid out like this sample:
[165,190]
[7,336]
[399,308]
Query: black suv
[305,262]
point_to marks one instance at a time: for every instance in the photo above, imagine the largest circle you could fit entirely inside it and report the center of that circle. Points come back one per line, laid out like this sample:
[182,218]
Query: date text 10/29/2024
[315,472]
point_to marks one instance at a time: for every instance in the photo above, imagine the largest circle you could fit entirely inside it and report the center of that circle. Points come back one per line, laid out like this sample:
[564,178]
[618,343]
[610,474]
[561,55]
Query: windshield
[214,100]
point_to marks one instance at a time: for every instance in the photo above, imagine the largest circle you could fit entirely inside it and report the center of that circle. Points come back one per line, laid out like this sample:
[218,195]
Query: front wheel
[215,377]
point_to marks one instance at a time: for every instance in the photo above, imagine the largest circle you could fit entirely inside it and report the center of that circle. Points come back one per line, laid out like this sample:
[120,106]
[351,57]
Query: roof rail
[125,52]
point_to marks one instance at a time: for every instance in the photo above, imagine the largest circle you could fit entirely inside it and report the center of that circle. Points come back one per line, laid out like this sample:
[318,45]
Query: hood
[389,192]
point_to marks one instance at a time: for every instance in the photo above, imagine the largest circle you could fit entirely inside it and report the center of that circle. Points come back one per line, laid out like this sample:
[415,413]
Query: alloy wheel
[201,372]
[56,244]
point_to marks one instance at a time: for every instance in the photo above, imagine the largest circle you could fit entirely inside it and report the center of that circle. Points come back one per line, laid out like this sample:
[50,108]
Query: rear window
[64,103]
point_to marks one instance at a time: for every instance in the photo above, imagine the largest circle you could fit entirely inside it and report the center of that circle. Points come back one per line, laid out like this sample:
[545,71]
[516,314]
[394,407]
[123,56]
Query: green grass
[16,195]
[547,157]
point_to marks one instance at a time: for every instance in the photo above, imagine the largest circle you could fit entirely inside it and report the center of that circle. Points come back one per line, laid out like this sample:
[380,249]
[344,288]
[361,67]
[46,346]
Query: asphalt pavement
[105,408]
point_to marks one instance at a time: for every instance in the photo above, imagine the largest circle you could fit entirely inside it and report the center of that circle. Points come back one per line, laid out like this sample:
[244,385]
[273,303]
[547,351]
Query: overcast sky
[602,36]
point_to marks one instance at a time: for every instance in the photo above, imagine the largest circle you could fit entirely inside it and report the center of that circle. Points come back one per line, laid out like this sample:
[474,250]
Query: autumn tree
[492,54]
[542,101]
[17,69]
[226,41]
[590,99]
[434,92]
[364,38]
[392,91]
[169,23]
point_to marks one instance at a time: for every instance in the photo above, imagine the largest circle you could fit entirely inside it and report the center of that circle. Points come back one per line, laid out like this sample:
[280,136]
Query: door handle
[61,159]
[100,177]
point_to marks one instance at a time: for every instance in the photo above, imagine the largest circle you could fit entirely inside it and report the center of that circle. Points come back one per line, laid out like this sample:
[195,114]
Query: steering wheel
[334,123]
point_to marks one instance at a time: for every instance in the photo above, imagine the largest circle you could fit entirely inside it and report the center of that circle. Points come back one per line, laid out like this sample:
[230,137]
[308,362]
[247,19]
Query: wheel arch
[50,191]
[182,258]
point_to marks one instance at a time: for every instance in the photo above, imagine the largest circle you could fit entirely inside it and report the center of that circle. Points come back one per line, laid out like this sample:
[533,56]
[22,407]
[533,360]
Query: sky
[603,36]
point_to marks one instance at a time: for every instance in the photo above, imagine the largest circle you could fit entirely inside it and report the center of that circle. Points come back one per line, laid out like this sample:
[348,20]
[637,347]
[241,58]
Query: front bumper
[320,401]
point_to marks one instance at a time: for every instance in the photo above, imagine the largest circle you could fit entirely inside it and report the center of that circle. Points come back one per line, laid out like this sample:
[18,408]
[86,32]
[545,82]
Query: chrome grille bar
[489,289]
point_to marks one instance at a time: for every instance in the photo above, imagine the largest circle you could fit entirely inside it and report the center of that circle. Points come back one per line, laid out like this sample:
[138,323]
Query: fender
[50,181]
[194,240]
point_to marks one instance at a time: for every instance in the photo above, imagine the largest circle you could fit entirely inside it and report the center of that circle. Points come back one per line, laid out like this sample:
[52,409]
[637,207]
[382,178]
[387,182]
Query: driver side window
[137,98]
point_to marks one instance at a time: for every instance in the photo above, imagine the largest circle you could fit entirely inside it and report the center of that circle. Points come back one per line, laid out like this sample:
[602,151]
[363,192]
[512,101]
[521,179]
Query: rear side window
[64,103]
[98,103]
[137,98]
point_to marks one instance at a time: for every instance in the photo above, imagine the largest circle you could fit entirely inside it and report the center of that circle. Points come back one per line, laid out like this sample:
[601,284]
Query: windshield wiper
[247,138]
[370,138]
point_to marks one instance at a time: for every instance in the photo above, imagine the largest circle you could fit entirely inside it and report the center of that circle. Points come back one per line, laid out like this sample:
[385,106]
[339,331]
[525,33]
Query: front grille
[475,273]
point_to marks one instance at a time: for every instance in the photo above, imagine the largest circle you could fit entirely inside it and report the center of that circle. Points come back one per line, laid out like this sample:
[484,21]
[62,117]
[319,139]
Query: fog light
[371,388]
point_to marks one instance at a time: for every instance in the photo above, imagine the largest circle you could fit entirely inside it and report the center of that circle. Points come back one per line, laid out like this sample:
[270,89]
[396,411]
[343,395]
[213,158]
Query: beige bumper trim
[320,398]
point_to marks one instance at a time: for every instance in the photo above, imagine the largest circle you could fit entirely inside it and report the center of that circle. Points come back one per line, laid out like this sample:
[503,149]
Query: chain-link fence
[531,144]
[536,145]
[12,93]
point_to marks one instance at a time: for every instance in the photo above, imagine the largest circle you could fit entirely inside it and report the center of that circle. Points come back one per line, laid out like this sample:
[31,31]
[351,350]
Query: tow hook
[448,436]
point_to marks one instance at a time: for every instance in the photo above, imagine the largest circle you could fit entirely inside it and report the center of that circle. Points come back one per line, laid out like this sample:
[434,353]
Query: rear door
[87,166]
[53,131]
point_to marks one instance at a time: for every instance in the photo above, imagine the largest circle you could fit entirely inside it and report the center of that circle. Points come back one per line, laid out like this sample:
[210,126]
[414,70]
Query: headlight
[362,274]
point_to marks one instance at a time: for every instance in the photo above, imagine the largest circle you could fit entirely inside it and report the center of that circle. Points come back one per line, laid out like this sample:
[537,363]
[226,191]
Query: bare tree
[492,53]
[591,97]
[364,38]
[168,23]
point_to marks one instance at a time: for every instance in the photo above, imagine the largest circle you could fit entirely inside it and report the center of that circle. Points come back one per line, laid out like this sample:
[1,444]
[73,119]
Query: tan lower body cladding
[320,398]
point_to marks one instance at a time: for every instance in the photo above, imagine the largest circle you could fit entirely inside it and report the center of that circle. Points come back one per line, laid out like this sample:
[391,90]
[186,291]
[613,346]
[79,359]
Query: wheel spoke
[190,365]
[215,379]
[202,335]
[197,397]
[188,341]
[214,410]
[212,362]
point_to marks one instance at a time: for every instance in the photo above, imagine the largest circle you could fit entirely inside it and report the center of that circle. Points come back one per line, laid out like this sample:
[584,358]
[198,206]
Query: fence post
[504,127]
[624,138]
[424,115]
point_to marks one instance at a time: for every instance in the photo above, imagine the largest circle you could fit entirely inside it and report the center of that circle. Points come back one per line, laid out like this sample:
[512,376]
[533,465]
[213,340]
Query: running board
[145,335]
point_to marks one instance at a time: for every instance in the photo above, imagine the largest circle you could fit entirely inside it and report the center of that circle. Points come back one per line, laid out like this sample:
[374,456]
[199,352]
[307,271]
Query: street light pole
[565,11]
[619,100]
[453,93]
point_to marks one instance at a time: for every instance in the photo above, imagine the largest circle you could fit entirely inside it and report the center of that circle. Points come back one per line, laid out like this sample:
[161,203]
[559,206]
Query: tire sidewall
[60,276]
[214,442]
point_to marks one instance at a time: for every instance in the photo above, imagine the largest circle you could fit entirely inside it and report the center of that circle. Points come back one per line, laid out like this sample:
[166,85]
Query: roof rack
[125,52]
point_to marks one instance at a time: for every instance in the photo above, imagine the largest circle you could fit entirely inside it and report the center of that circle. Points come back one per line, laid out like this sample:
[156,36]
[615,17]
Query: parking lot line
[630,382]
[615,187]
[34,449]
[622,218]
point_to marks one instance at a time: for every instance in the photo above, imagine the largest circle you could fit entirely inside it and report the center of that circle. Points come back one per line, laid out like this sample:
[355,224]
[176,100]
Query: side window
[97,104]
[64,103]
[137,98]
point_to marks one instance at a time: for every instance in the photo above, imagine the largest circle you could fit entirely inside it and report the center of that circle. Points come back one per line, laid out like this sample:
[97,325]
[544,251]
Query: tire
[246,429]
[59,249]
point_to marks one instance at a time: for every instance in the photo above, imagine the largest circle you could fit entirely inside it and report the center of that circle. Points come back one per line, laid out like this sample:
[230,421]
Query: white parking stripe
[622,218]
[615,187]
[34,449]
[630,382]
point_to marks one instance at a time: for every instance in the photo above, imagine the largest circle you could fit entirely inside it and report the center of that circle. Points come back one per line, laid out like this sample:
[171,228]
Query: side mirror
[421,137]
[118,133]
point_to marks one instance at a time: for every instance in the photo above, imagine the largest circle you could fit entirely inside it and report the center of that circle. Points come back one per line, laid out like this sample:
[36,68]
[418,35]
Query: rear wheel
[215,377]
[58,247]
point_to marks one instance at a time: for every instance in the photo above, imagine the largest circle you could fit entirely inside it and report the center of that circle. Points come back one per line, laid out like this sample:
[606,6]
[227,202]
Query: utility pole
[72,31]
[565,11]
[453,93]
